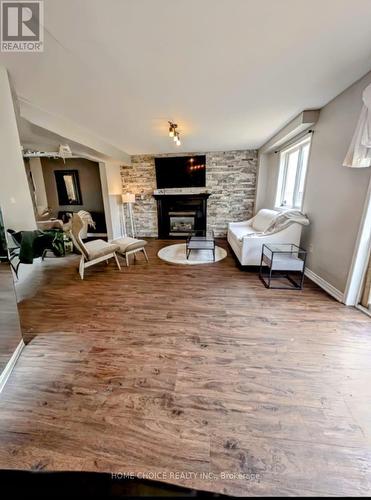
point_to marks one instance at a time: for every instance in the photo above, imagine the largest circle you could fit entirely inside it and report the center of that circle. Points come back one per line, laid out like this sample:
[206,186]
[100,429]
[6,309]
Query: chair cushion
[128,244]
[263,219]
[240,230]
[100,248]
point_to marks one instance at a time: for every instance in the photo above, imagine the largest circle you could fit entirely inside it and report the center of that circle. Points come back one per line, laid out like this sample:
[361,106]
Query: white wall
[15,196]
[111,189]
[335,195]
[38,181]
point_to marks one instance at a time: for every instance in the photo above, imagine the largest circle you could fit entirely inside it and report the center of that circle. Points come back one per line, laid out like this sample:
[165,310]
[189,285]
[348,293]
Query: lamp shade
[128,198]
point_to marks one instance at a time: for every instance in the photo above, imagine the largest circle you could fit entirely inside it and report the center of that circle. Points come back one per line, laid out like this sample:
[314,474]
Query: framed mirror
[68,187]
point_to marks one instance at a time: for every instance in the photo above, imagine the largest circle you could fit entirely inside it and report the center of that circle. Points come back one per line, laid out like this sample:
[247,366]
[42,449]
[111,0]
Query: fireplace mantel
[182,195]
[181,192]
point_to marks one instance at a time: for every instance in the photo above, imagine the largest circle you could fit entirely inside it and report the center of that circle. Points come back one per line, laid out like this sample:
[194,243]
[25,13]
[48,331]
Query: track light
[173,133]
[172,128]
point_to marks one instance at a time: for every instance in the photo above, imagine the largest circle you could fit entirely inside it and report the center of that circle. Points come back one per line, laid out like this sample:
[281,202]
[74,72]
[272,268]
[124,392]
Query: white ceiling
[229,72]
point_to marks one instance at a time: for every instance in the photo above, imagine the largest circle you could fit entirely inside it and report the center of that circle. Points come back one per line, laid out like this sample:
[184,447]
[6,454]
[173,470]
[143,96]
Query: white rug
[176,254]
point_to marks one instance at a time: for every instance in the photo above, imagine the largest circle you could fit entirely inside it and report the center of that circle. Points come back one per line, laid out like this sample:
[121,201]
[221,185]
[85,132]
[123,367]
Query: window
[291,177]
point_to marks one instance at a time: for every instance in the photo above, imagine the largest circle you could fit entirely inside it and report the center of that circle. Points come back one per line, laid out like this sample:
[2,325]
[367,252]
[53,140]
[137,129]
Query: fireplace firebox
[180,214]
[181,223]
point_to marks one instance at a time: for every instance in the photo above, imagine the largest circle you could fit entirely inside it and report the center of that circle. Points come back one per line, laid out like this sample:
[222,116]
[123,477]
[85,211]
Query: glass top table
[200,240]
[282,260]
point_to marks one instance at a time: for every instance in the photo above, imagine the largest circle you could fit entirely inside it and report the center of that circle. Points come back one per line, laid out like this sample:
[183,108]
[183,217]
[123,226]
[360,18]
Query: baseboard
[331,290]
[364,309]
[10,365]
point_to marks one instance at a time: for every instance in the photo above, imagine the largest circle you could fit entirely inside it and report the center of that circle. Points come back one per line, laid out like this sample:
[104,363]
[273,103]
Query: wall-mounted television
[181,171]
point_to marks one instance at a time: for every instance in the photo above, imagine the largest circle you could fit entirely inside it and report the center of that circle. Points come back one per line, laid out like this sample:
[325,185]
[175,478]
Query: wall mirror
[68,187]
[10,330]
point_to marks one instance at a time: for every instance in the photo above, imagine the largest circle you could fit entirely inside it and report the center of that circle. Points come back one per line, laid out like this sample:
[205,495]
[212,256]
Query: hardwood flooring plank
[164,368]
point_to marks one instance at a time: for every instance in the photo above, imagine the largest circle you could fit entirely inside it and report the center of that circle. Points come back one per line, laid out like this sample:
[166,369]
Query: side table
[284,260]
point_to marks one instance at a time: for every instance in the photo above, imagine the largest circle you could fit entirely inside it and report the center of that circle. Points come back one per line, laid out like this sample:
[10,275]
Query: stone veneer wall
[230,177]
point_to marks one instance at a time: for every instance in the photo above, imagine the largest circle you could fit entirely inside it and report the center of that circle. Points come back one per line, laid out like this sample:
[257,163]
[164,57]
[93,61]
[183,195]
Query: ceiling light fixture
[172,128]
[173,133]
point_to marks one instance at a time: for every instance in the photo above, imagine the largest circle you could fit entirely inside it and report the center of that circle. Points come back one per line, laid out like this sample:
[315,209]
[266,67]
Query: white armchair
[247,238]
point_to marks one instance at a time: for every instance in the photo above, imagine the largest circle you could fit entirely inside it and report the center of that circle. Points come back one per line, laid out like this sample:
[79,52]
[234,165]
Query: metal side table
[201,240]
[284,260]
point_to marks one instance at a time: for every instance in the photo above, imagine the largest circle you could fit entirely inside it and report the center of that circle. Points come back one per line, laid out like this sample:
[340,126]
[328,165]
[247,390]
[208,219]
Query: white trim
[327,287]
[110,178]
[353,289]
[10,365]
[298,145]
[364,309]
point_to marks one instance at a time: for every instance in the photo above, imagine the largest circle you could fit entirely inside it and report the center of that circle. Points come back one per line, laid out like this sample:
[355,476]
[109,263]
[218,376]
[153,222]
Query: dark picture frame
[68,187]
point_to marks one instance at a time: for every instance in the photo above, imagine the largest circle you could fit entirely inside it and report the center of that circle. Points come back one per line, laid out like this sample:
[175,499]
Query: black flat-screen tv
[181,171]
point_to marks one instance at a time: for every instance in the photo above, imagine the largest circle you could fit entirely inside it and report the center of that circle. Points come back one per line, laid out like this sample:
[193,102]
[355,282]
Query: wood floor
[196,373]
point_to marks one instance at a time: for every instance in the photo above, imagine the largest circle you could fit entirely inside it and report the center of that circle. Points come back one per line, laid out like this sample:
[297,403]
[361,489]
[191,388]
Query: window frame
[282,174]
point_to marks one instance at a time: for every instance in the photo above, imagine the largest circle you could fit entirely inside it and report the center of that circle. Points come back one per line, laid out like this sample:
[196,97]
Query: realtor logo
[22,26]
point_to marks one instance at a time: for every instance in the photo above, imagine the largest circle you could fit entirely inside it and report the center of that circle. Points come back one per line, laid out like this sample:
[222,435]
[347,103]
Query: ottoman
[129,246]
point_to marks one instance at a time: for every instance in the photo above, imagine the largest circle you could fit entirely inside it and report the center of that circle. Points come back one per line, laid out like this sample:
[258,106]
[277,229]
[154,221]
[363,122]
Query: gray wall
[230,176]
[90,184]
[334,195]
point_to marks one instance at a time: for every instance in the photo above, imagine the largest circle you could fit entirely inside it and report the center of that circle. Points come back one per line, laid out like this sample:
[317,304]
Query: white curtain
[359,153]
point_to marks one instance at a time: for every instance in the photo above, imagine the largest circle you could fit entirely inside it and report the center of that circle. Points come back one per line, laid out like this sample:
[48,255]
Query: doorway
[358,290]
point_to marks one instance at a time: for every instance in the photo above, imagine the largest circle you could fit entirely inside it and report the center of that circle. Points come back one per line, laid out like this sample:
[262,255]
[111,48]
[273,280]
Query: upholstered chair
[94,251]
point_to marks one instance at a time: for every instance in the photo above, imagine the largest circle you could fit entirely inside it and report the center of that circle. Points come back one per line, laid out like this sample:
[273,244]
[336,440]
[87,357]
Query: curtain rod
[292,141]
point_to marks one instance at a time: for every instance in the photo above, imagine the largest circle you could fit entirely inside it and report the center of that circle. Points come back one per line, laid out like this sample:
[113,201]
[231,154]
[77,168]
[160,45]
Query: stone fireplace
[230,178]
[179,214]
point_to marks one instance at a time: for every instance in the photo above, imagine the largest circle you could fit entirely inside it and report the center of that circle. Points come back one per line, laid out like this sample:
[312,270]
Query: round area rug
[176,254]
